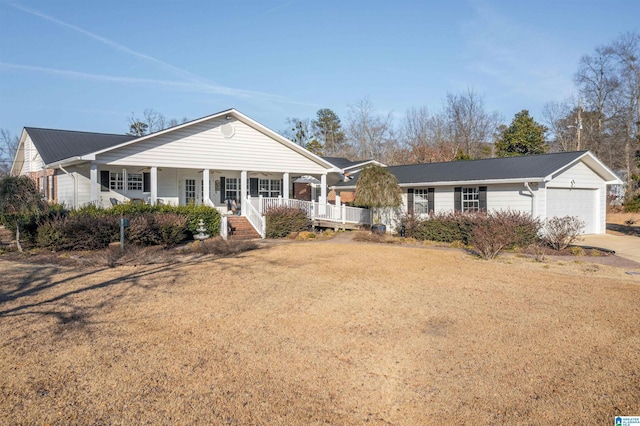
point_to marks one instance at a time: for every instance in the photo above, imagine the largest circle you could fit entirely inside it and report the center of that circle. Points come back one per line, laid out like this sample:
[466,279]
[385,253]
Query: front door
[190,191]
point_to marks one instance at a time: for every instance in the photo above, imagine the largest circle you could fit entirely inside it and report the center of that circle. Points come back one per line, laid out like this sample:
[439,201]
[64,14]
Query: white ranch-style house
[546,186]
[225,160]
[233,163]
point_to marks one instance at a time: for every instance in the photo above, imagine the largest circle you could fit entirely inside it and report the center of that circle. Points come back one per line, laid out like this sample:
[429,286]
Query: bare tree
[299,131]
[152,121]
[370,133]
[8,148]
[426,138]
[470,125]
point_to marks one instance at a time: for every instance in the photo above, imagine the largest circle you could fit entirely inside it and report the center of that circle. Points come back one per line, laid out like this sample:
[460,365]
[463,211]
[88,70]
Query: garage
[581,203]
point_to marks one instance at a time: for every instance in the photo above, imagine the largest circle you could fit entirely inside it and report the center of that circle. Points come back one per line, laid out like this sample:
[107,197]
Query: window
[420,201]
[231,188]
[116,181]
[470,199]
[269,187]
[134,181]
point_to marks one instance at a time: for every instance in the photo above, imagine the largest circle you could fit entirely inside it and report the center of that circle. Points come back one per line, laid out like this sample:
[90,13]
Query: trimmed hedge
[91,227]
[78,232]
[488,233]
[282,221]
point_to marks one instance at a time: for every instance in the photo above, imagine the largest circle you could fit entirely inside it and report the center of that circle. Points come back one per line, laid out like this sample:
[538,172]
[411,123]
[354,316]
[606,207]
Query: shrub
[445,227]
[496,231]
[220,247]
[193,213]
[157,229]
[281,221]
[559,232]
[78,232]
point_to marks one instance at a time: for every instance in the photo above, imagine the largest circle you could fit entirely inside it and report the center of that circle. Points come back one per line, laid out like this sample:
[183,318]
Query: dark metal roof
[524,167]
[340,162]
[55,145]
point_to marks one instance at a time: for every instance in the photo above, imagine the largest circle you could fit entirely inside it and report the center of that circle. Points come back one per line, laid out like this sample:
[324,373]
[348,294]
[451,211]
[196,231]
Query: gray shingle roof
[525,167]
[340,162]
[55,145]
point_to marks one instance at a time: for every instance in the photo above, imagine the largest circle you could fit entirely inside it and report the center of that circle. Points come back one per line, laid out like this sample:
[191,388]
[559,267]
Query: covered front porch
[223,189]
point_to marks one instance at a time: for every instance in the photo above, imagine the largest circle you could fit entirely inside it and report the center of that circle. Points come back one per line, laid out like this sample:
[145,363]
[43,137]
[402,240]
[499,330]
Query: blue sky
[88,64]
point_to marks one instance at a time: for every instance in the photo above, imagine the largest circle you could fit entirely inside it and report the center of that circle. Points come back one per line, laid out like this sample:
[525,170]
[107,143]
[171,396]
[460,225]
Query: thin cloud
[194,82]
[189,86]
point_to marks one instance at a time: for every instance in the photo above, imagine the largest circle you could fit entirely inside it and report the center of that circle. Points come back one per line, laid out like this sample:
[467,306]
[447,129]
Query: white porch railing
[314,210]
[223,227]
[256,218]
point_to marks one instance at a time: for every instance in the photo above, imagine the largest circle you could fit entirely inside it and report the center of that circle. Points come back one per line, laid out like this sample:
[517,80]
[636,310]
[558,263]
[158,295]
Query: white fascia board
[459,183]
[366,163]
[241,117]
[292,145]
[23,138]
[594,163]
[67,162]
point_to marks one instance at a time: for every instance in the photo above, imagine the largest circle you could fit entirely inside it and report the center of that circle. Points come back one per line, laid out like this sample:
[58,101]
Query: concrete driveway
[625,246]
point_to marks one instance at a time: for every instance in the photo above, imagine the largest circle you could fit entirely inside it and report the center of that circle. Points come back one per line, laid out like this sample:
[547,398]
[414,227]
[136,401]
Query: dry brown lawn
[321,333]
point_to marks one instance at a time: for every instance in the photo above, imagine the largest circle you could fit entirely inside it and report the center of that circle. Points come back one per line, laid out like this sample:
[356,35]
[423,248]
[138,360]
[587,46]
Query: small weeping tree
[20,202]
[377,188]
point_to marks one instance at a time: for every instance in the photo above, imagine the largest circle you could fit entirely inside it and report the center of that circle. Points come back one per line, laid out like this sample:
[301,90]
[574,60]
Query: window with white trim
[269,187]
[134,181]
[470,199]
[420,201]
[116,181]
[231,188]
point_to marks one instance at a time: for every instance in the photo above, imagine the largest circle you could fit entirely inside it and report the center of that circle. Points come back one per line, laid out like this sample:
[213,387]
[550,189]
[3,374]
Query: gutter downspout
[75,187]
[533,200]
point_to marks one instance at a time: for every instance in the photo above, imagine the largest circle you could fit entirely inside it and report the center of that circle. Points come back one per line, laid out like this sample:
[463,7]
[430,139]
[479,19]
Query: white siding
[581,176]
[577,176]
[509,197]
[65,189]
[32,160]
[202,146]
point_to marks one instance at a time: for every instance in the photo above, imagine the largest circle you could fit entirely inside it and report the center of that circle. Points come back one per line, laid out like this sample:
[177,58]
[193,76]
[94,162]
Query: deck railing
[318,211]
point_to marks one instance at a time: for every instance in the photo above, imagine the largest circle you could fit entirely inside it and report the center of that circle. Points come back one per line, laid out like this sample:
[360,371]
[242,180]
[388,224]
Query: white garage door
[574,202]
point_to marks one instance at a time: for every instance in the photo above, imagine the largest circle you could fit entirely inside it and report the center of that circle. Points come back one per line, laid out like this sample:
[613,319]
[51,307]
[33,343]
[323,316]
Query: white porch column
[206,196]
[153,177]
[243,193]
[286,183]
[93,177]
[323,189]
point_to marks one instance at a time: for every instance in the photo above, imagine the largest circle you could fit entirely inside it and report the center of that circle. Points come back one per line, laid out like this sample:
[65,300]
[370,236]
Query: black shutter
[430,202]
[457,198]
[146,182]
[482,198]
[253,187]
[410,201]
[222,190]
[104,181]
[282,188]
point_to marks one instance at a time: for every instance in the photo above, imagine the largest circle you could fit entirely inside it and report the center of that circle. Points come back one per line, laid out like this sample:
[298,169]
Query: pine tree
[523,137]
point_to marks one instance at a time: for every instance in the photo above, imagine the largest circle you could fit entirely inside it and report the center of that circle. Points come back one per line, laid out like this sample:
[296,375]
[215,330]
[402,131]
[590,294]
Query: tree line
[603,117]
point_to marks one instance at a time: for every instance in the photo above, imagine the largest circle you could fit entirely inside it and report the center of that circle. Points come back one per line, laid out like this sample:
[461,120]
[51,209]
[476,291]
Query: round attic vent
[228,130]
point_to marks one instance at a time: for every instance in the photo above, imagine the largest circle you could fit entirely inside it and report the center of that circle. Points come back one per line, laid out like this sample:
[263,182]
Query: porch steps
[239,228]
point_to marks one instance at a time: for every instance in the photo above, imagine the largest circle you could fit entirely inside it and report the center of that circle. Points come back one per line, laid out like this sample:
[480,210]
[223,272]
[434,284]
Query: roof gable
[230,114]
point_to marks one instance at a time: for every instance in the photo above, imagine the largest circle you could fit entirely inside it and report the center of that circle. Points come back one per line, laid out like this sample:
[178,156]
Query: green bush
[445,227]
[282,221]
[194,213]
[166,229]
[493,231]
[78,232]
